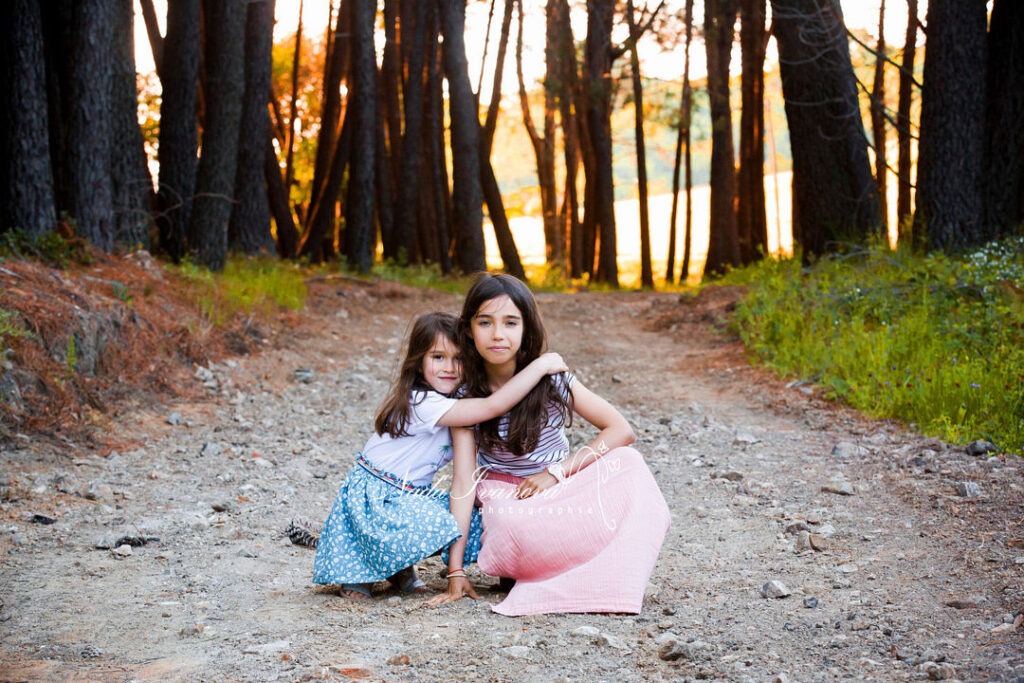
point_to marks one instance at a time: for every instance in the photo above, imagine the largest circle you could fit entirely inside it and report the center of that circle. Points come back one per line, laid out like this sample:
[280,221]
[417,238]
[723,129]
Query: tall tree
[723,244]
[360,228]
[467,217]
[293,113]
[90,133]
[179,135]
[646,274]
[834,195]
[752,222]
[438,204]
[878,117]
[488,179]
[26,176]
[544,153]
[904,135]
[600,182]
[131,183]
[950,199]
[1004,135]
[224,84]
[682,137]
[249,228]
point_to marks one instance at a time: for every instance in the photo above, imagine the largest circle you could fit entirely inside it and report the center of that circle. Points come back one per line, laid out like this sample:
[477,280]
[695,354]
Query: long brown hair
[529,415]
[396,410]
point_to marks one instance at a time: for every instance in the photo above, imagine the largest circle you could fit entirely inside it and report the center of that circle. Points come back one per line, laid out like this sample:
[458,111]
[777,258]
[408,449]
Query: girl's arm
[472,411]
[615,432]
[461,506]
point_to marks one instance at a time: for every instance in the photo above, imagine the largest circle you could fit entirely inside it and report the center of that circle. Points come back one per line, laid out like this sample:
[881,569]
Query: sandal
[408,581]
[355,591]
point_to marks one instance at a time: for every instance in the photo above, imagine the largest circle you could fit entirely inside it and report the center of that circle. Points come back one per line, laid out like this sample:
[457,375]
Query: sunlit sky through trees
[657,63]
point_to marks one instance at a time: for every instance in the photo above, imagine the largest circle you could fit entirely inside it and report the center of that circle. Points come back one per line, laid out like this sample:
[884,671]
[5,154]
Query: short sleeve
[429,406]
[564,382]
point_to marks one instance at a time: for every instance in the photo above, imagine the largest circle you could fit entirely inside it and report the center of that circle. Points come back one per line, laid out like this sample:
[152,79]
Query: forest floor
[149,543]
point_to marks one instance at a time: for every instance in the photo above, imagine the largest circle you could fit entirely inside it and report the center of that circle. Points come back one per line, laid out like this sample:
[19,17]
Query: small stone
[981,447]
[970,602]
[303,375]
[174,419]
[668,611]
[810,602]
[843,488]
[938,672]
[616,379]
[844,450]
[394,601]
[775,589]
[517,651]
[1002,628]
[612,641]
[225,506]
[586,631]
[210,449]
[797,527]
[803,540]
[399,660]
[818,541]
[967,489]
[123,550]
[666,624]
[781,678]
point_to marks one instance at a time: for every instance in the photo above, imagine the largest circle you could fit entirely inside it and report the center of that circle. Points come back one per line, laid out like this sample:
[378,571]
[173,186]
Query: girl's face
[442,368]
[497,329]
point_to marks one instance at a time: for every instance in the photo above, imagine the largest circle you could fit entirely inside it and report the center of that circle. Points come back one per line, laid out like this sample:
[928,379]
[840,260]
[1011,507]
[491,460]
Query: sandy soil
[891,572]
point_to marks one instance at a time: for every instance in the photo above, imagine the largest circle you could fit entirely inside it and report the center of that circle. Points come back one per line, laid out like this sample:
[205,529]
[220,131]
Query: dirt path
[904,579]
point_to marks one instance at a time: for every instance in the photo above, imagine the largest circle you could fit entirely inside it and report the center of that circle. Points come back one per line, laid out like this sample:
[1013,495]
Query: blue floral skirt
[378,527]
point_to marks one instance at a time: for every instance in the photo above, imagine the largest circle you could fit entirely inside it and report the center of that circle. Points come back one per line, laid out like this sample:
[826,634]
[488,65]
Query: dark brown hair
[529,415]
[395,412]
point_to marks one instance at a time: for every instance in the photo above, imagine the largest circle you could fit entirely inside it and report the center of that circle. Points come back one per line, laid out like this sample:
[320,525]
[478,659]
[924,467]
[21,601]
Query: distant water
[529,231]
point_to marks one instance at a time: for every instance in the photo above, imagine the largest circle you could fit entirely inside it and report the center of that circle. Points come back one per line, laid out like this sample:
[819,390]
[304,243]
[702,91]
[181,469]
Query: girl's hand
[535,483]
[458,587]
[552,363]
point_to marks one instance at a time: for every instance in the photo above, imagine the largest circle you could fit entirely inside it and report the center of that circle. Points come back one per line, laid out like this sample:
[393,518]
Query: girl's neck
[498,375]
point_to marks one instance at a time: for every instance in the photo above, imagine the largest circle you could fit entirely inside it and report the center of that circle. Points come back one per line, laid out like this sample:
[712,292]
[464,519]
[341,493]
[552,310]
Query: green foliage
[51,248]
[246,284]
[933,340]
[10,328]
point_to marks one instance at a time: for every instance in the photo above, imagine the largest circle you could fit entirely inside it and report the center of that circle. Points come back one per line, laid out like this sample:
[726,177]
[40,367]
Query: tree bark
[904,137]
[560,56]
[436,168]
[683,137]
[280,206]
[878,119]
[132,185]
[467,194]
[249,229]
[1004,150]
[723,244]
[90,133]
[602,184]
[360,227]
[646,273]
[834,196]
[224,85]
[293,114]
[950,198]
[178,129]
[751,221]
[26,176]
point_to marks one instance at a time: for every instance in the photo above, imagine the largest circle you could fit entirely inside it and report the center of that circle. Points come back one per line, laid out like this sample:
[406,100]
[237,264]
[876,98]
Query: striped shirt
[552,444]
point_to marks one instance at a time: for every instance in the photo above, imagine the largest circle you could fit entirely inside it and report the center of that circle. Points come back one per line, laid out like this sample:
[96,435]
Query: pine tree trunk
[132,186]
[646,273]
[223,87]
[723,244]
[178,138]
[751,220]
[249,229]
[467,218]
[598,71]
[562,71]
[90,131]
[878,120]
[26,175]
[280,207]
[360,226]
[833,188]
[904,137]
[1004,157]
[436,168]
[950,198]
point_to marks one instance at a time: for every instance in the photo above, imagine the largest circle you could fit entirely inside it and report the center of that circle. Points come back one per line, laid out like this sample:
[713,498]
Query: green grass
[935,341]
[246,284]
[10,328]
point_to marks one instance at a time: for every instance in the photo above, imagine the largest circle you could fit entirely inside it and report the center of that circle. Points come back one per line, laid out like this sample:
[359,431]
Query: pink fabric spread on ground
[586,545]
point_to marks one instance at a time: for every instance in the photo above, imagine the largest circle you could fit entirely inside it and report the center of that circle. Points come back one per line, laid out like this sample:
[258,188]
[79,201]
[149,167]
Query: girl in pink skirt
[577,532]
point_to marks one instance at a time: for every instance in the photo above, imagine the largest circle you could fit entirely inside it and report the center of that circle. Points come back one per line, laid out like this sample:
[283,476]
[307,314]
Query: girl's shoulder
[563,381]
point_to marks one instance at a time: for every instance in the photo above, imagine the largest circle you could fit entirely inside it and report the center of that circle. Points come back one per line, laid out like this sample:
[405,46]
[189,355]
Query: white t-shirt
[426,448]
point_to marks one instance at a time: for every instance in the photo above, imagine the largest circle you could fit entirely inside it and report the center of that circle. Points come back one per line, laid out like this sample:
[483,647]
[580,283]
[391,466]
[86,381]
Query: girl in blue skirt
[387,516]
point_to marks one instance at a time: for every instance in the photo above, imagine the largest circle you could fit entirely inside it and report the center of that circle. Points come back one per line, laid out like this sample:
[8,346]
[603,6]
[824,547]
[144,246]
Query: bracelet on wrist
[456,573]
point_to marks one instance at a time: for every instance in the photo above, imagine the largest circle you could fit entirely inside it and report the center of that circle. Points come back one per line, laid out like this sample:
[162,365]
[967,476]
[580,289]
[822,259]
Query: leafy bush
[51,248]
[934,340]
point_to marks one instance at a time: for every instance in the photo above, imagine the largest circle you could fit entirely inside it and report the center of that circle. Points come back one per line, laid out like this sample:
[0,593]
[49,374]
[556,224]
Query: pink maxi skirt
[588,544]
